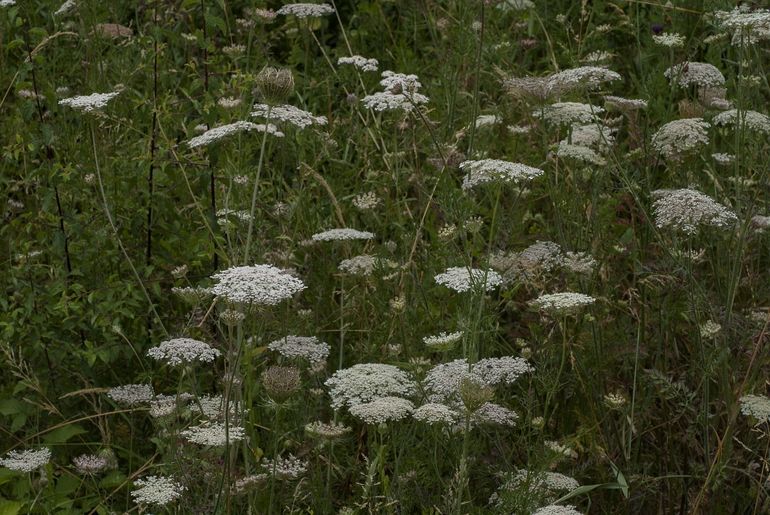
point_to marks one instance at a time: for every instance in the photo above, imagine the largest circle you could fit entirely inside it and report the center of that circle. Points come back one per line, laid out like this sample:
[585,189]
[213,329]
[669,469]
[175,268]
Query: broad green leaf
[10,507]
[18,422]
[10,407]
[64,433]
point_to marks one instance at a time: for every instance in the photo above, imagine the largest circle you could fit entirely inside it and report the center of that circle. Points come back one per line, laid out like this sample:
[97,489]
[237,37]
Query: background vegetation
[83,301]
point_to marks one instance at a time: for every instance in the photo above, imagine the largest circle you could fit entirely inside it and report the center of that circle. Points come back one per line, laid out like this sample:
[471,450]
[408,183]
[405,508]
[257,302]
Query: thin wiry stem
[115,229]
[49,153]
[256,186]
[212,175]
[477,82]
[187,183]
[153,141]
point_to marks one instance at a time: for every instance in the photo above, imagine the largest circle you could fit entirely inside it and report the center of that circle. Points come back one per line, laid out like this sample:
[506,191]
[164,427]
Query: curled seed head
[275,84]
[281,382]
[474,395]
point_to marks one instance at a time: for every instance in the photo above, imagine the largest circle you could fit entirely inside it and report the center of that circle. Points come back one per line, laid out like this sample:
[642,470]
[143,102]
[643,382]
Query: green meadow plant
[440,257]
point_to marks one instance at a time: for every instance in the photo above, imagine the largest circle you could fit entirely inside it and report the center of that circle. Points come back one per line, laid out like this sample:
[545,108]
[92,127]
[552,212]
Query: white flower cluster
[258,284]
[183,350]
[90,463]
[229,102]
[362,63]
[248,483]
[750,119]
[579,153]
[342,234]
[756,406]
[747,26]
[358,265]
[442,341]
[541,257]
[131,394]
[562,303]
[191,294]
[680,137]
[401,92]
[306,10]
[760,222]
[538,481]
[234,50]
[26,461]
[366,201]
[436,413]
[461,279]
[568,113]
[710,329]
[89,103]
[367,382]
[555,509]
[579,262]
[592,135]
[165,405]
[561,449]
[584,141]
[597,57]
[487,120]
[537,88]
[383,409]
[615,400]
[211,406]
[66,8]
[240,215]
[304,347]
[288,114]
[218,133]
[669,39]
[442,382]
[515,5]
[723,159]
[157,490]
[214,434]
[497,371]
[625,104]
[327,430]
[691,73]
[398,82]
[386,101]
[493,170]
[288,468]
[582,77]
[686,210]
[493,414]
[714,98]
[560,83]
[365,264]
